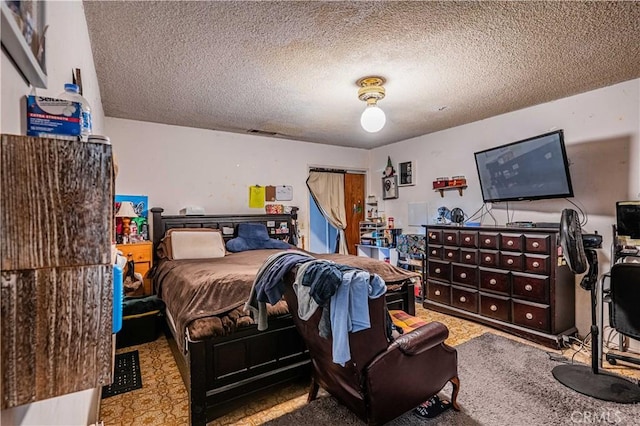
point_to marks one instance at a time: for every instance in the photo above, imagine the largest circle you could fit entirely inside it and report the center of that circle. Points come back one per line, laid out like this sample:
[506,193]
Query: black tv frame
[565,160]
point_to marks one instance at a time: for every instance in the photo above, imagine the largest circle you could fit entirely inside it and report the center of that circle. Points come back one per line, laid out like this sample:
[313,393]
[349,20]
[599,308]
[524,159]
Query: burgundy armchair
[382,380]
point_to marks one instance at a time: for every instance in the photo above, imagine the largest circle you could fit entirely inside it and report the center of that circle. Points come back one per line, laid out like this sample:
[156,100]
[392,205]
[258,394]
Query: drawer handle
[468,257]
[536,264]
[450,254]
[437,270]
[487,241]
[487,259]
[529,316]
[437,292]
[493,281]
[509,261]
[493,308]
[528,287]
[432,236]
[535,244]
[463,299]
[467,239]
[433,252]
[450,238]
[463,275]
[509,243]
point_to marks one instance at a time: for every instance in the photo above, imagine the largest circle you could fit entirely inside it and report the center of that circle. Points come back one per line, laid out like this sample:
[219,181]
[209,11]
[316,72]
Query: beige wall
[602,136]
[68,46]
[180,166]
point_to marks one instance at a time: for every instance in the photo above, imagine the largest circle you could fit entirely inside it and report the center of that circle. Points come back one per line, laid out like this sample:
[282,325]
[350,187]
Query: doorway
[322,235]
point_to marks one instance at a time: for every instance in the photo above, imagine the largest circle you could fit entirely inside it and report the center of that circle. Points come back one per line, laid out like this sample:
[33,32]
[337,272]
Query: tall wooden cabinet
[55,227]
[513,279]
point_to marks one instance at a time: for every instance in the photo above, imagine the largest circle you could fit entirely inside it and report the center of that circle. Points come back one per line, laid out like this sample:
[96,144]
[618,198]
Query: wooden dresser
[513,279]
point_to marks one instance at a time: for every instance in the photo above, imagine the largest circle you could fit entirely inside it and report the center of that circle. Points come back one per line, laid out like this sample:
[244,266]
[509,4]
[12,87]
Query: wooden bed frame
[222,373]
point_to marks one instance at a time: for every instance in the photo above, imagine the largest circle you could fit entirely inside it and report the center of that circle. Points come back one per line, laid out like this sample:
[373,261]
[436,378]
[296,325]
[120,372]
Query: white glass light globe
[372,119]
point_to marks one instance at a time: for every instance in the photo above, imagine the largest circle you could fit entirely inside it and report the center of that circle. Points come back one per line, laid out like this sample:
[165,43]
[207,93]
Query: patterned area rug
[502,382]
[126,375]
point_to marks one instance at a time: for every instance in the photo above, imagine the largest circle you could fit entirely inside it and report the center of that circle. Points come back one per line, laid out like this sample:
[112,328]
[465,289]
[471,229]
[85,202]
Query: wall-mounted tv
[531,169]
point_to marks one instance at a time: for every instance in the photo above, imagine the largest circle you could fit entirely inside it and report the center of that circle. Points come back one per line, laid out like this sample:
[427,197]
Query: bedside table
[142,256]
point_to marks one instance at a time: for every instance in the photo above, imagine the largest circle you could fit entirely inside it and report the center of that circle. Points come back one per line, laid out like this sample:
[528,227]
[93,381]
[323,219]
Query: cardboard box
[50,116]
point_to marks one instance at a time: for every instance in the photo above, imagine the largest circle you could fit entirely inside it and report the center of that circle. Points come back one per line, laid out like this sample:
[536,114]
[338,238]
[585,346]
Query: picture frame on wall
[23,36]
[389,187]
[407,173]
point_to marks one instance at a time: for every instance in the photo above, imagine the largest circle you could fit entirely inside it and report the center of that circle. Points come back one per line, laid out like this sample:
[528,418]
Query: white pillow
[197,245]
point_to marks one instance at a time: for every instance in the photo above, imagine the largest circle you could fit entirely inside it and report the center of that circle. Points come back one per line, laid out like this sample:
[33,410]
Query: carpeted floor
[503,382]
[163,398]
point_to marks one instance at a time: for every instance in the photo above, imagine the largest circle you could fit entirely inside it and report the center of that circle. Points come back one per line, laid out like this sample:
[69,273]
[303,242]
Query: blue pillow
[253,231]
[254,236]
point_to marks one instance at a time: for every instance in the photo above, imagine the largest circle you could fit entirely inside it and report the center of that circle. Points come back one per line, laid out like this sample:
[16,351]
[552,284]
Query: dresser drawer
[537,264]
[450,238]
[464,274]
[530,287]
[451,254]
[495,280]
[466,299]
[489,241]
[531,315]
[495,307]
[511,261]
[537,243]
[511,242]
[468,239]
[489,258]
[434,236]
[469,256]
[439,270]
[435,252]
[439,292]
[138,252]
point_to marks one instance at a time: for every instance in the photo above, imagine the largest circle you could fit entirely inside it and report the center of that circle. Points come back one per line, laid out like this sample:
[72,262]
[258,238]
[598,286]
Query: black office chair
[623,296]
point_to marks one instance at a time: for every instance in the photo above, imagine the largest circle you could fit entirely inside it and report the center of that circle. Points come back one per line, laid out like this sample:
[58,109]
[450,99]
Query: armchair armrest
[421,339]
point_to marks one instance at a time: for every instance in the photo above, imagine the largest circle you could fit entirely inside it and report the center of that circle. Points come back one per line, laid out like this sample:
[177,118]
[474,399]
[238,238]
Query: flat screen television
[531,169]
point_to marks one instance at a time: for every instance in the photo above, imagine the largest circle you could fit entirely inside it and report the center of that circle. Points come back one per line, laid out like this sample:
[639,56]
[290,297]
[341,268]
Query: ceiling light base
[371,88]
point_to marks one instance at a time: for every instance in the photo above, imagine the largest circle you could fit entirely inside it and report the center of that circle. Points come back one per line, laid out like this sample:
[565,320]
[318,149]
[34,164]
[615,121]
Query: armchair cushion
[421,339]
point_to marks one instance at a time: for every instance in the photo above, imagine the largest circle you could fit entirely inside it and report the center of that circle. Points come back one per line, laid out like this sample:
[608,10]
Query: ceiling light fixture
[371,91]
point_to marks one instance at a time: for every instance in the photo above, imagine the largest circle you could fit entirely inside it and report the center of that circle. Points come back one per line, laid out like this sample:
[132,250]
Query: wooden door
[354,206]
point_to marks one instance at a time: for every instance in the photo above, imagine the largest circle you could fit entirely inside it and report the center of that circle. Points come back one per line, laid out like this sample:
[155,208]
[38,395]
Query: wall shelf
[447,188]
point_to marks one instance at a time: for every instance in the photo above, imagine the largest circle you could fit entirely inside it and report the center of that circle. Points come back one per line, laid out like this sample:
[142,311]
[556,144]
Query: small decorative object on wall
[23,29]
[389,187]
[284,193]
[257,195]
[407,174]
[389,170]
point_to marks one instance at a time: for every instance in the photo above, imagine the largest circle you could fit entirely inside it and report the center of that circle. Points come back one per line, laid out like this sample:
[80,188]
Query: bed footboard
[221,374]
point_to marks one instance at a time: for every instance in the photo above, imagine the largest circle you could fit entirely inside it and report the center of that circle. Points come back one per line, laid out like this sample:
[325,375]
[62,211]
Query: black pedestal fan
[579,251]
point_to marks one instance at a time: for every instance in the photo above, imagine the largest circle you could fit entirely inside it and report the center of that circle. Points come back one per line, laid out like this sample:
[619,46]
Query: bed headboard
[279,226]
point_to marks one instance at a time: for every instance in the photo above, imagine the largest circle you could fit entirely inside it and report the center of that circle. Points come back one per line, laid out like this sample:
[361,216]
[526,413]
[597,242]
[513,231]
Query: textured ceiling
[290,67]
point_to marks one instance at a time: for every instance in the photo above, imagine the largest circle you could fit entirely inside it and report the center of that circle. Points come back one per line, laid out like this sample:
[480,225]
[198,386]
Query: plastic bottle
[72,93]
